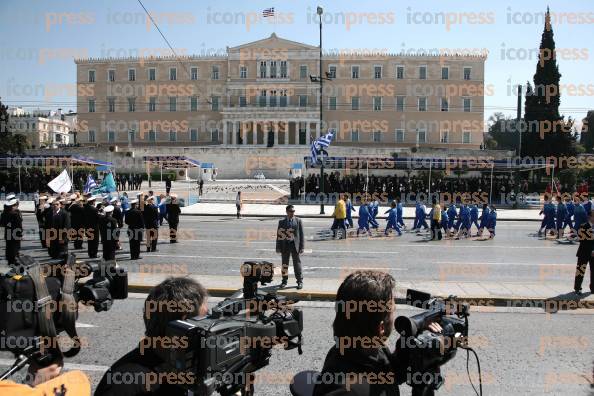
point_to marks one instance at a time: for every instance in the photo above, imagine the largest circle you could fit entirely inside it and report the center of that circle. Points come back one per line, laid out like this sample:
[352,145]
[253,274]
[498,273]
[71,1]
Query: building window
[283,98]
[444,104]
[303,71]
[399,135]
[173,136]
[242,101]
[444,137]
[272,69]
[111,75]
[302,100]
[214,135]
[131,74]
[152,136]
[467,105]
[215,72]
[400,72]
[242,72]
[110,136]
[111,105]
[131,136]
[283,69]
[131,104]
[152,74]
[355,103]
[332,103]
[172,73]
[194,73]
[332,72]
[91,76]
[467,72]
[445,73]
[400,103]
[193,103]
[377,103]
[172,103]
[215,103]
[422,104]
[272,98]
[91,105]
[91,136]
[354,71]
[354,135]
[194,135]
[466,137]
[377,136]
[302,133]
[422,72]
[152,106]
[262,69]
[377,72]
[421,136]
[262,98]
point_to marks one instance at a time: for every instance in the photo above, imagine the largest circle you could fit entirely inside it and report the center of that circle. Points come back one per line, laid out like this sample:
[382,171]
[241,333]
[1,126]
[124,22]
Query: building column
[244,133]
[233,133]
[275,126]
[287,132]
[225,132]
[307,132]
[254,133]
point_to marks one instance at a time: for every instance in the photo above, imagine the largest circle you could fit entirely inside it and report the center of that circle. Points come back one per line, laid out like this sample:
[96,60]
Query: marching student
[363,222]
[485,216]
[492,222]
[548,222]
[392,220]
[473,218]
[561,216]
[339,216]
[349,209]
[436,221]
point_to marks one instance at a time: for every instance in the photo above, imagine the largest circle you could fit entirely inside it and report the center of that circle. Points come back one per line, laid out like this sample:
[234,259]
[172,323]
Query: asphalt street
[522,351]
[218,245]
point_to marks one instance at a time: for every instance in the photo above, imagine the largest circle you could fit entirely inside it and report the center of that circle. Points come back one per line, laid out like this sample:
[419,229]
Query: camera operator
[360,363]
[172,299]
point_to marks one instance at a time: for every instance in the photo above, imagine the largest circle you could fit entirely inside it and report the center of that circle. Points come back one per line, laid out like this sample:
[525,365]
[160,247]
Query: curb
[551,304]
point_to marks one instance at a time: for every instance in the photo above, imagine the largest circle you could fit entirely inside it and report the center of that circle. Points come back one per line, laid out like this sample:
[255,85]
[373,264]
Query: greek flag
[319,144]
[90,184]
[268,12]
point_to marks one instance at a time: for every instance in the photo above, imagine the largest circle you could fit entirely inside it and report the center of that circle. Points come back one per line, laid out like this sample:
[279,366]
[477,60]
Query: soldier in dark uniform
[151,222]
[40,216]
[77,220]
[58,232]
[13,230]
[117,212]
[585,254]
[173,212]
[110,233]
[135,223]
[92,227]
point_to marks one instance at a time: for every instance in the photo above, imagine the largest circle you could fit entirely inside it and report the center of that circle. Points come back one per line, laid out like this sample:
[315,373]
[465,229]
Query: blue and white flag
[90,184]
[319,144]
[268,12]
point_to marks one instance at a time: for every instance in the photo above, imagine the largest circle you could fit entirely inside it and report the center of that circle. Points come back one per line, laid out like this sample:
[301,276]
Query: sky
[39,39]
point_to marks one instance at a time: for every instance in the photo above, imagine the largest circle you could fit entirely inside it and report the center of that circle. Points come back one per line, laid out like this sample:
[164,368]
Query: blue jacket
[561,211]
[452,212]
[473,212]
[464,213]
[399,210]
[570,207]
[363,214]
[444,216]
[349,208]
[549,210]
[588,206]
[492,219]
[392,216]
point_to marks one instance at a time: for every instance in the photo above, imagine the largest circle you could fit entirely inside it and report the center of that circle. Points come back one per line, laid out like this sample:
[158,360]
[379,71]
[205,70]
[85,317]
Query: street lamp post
[320,78]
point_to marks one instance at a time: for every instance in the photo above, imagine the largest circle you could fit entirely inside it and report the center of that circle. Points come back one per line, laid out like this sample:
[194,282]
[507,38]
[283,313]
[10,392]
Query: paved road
[522,352]
[218,245]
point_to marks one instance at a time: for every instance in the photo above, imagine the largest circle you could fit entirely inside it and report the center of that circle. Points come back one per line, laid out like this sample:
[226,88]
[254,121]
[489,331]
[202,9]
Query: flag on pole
[268,12]
[90,184]
[319,145]
[62,183]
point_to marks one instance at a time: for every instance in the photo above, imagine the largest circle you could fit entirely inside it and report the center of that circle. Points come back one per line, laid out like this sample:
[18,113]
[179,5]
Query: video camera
[39,300]
[427,351]
[225,348]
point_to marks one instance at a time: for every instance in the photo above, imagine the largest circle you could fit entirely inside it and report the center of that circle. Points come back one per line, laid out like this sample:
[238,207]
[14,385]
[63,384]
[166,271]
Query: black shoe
[283,284]
[299,285]
[148,249]
[577,291]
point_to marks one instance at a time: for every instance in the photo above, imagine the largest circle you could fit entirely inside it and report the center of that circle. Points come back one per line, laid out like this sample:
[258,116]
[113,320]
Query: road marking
[82,325]
[518,264]
[309,251]
[210,257]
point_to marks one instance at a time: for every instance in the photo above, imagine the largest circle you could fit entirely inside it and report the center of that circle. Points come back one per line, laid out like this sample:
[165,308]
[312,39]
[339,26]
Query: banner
[62,183]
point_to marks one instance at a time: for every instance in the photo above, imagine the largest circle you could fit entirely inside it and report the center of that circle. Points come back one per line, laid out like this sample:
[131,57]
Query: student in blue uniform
[463,224]
[445,221]
[484,219]
[568,217]
[452,214]
[392,220]
[492,222]
[363,222]
[422,217]
[587,206]
[548,222]
[561,215]
[349,209]
[579,216]
[473,218]
[399,214]
[373,209]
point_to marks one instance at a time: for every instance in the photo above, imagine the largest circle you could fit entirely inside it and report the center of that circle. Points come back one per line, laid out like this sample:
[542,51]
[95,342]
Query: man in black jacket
[110,234]
[360,363]
[135,224]
[585,254]
[92,226]
[13,230]
[77,219]
[151,222]
[173,211]
[59,230]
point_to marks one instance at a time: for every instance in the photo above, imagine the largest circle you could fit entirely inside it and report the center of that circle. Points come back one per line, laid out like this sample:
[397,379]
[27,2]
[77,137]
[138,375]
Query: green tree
[10,143]
[501,131]
[547,131]
[587,134]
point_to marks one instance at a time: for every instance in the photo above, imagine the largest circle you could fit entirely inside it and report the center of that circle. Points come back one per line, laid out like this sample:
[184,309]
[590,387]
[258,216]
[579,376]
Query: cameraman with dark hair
[172,299]
[360,363]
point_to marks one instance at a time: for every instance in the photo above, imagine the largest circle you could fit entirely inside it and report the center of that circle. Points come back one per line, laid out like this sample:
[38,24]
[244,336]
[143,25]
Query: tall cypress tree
[542,104]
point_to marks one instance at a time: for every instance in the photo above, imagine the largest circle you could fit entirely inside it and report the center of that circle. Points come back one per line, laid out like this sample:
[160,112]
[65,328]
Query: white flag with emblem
[62,183]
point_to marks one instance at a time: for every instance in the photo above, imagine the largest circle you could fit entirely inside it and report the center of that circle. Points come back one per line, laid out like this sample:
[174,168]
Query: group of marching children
[562,213]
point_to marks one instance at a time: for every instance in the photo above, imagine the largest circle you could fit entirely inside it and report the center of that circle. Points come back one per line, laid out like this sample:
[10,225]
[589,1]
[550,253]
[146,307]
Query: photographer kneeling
[138,372]
[360,363]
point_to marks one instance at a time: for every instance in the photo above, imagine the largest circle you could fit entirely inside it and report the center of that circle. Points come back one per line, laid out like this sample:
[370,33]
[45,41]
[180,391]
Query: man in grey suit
[289,242]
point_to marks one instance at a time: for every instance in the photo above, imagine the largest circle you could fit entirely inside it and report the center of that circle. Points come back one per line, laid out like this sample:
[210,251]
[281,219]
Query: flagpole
[320,11]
